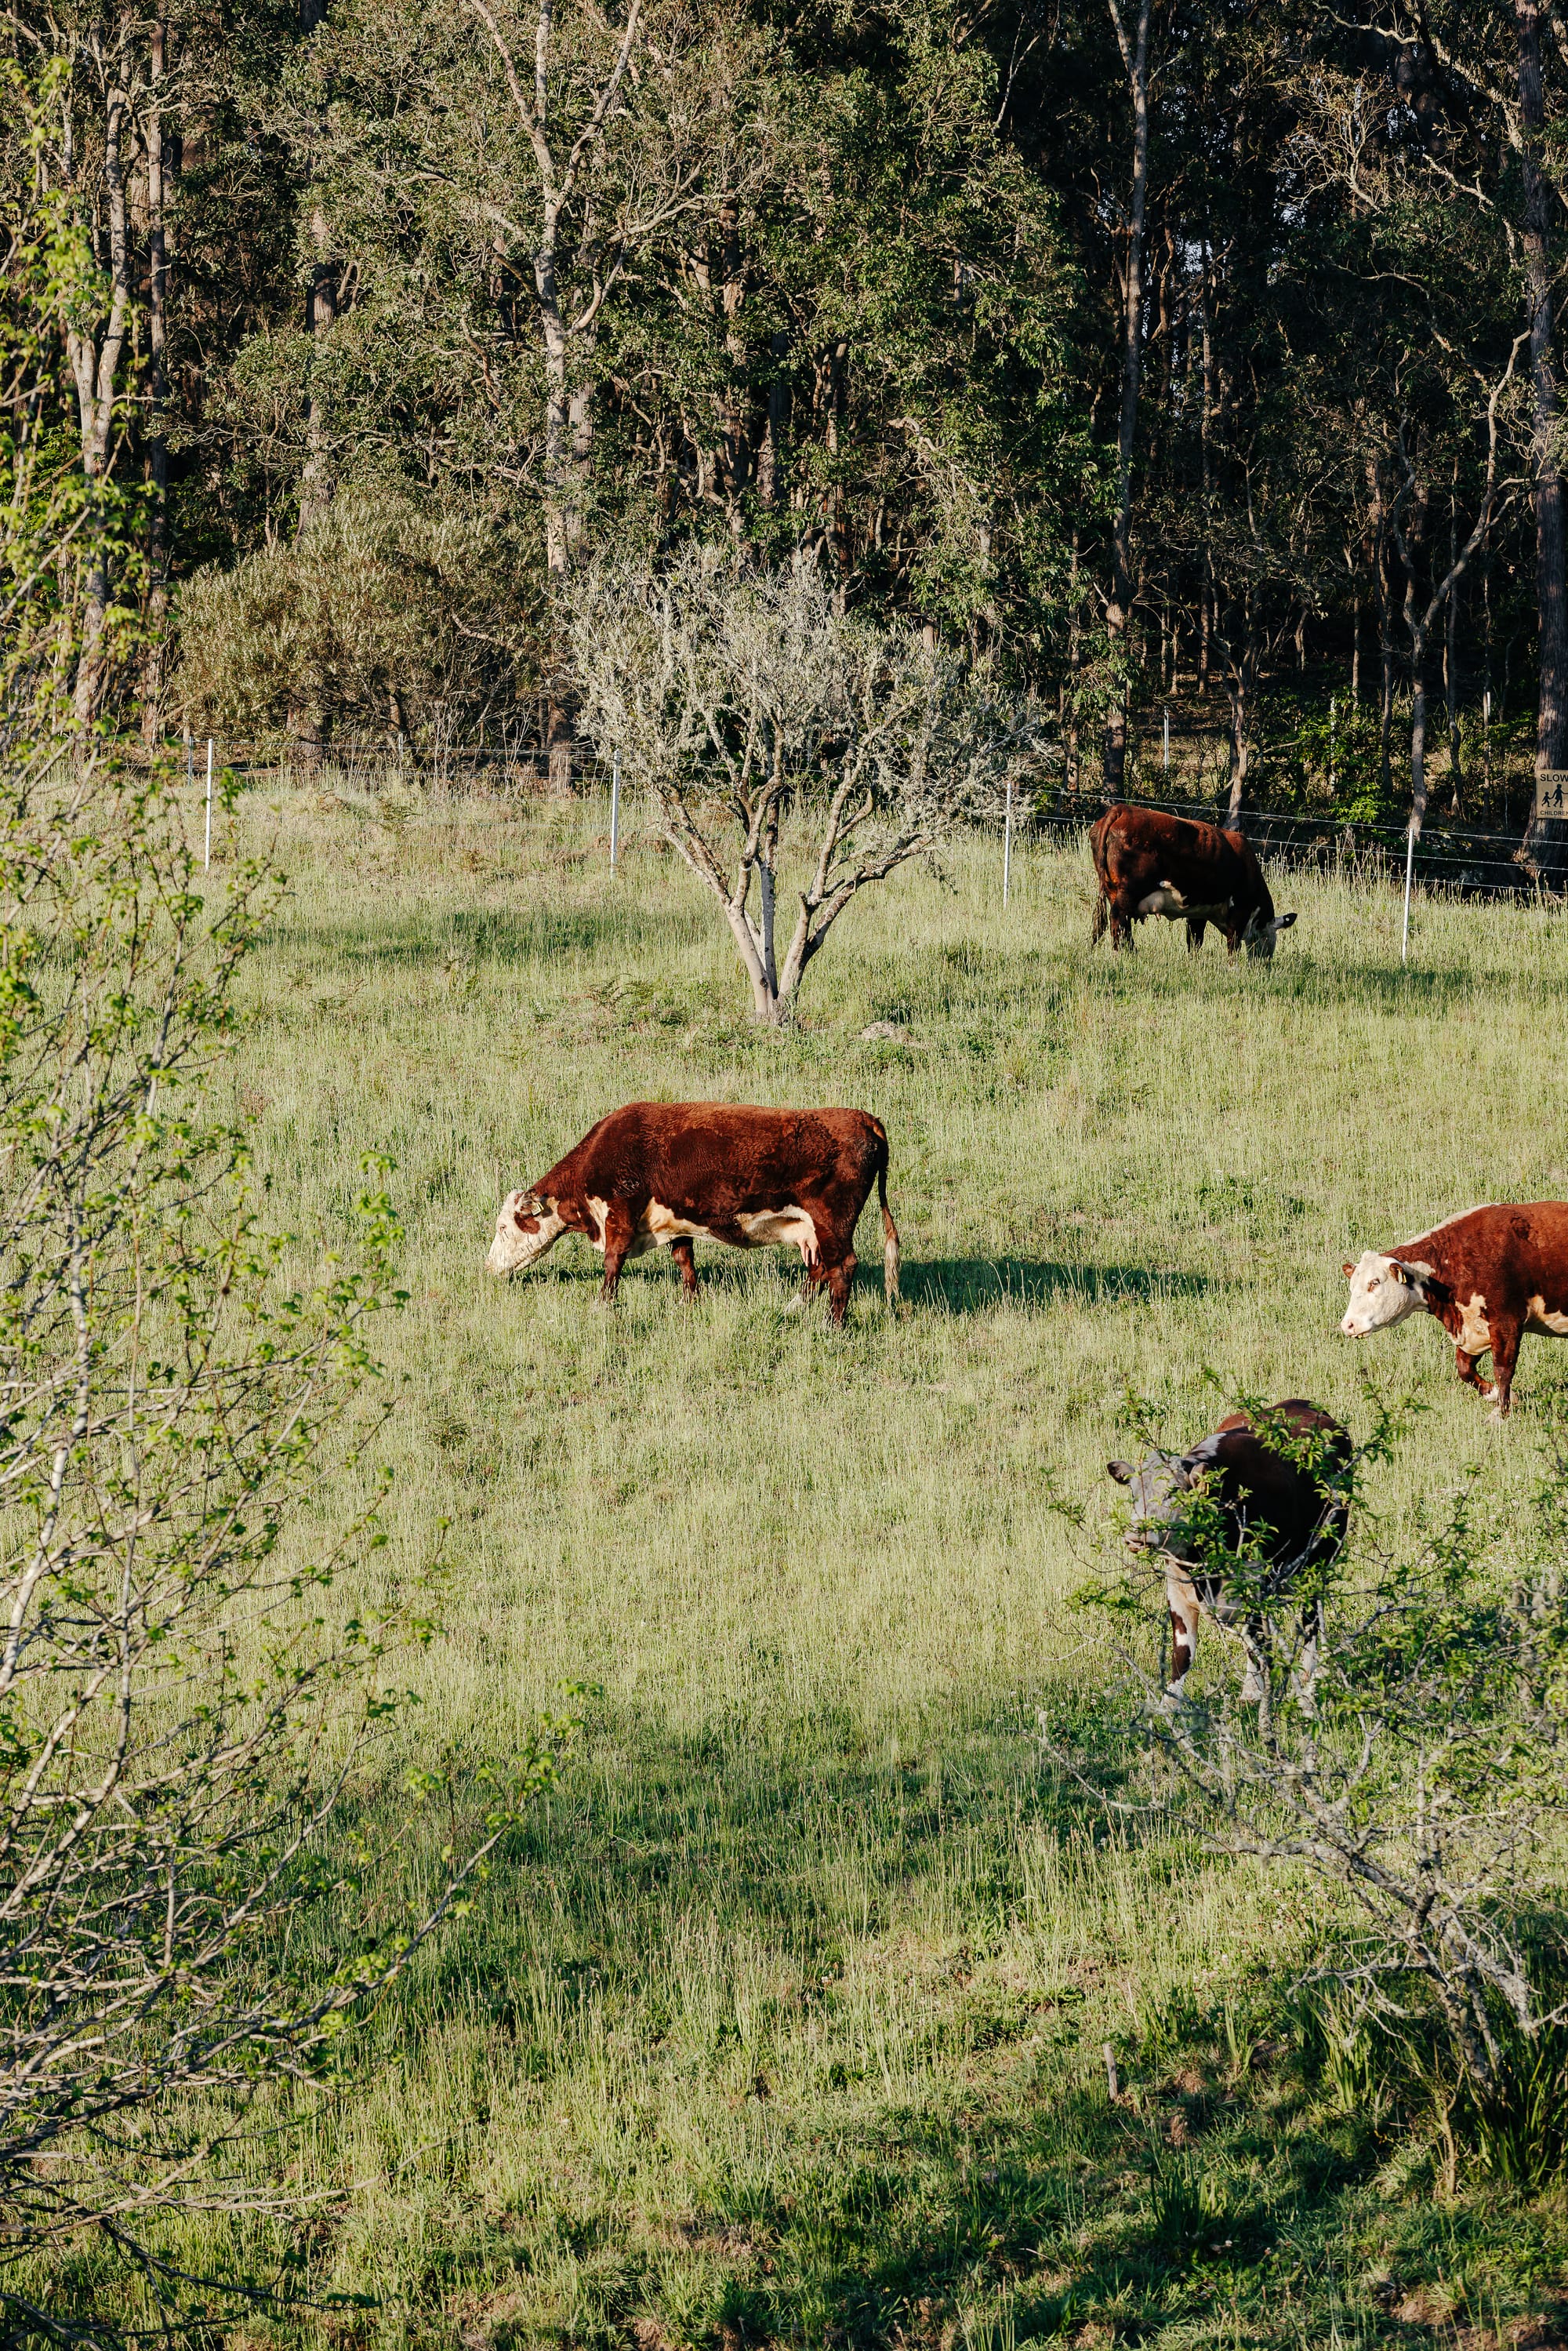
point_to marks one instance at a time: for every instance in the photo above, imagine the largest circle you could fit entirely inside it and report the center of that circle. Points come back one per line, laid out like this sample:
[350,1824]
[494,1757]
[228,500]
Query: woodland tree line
[1141,351]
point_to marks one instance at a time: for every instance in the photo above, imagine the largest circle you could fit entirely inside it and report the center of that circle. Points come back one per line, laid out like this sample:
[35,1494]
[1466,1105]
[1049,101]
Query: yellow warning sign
[1552,792]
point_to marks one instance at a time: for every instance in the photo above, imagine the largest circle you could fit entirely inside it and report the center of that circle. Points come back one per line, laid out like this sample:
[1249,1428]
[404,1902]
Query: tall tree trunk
[157,393]
[1452,661]
[1378,522]
[770,458]
[1135,58]
[307,719]
[1239,686]
[95,364]
[1546,836]
[1075,668]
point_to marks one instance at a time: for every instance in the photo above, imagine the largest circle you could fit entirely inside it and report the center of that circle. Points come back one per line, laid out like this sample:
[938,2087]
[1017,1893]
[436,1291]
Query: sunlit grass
[785,2018]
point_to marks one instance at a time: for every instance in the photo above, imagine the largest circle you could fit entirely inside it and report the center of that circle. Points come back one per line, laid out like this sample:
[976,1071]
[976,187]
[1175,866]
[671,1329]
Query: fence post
[1409,867]
[207,851]
[1007,844]
[614,807]
[1167,743]
[1331,742]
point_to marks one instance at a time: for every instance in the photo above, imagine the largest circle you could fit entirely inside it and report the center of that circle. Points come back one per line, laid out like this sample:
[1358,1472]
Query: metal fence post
[1007,844]
[1410,868]
[1168,742]
[207,851]
[614,807]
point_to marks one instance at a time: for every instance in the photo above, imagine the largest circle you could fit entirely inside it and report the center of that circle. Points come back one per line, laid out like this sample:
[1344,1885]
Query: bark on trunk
[307,719]
[1135,58]
[95,366]
[1546,836]
[157,394]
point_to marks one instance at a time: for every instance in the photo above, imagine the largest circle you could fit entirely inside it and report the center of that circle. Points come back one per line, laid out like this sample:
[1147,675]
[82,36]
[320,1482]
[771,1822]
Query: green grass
[784,2019]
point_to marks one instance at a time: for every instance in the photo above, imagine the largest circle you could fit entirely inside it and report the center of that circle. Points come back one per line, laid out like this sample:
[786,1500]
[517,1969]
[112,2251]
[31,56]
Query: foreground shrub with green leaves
[189,1705]
[1401,1734]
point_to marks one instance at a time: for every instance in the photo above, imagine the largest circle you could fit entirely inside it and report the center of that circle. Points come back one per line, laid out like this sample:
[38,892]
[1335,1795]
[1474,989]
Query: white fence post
[1007,845]
[614,807]
[207,852]
[1167,743]
[1409,867]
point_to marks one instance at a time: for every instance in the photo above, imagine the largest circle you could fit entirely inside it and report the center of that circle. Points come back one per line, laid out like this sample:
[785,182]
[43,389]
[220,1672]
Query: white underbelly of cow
[1167,900]
[659,1226]
[786,1227]
[1550,1322]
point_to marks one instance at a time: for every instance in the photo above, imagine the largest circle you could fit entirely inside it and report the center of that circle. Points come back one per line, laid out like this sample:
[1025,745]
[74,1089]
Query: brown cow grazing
[1489,1276]
[1290,1512]
[1147,862]
[663,1175]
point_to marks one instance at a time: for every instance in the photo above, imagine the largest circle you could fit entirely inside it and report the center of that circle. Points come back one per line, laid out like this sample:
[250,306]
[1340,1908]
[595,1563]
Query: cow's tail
[889,1229]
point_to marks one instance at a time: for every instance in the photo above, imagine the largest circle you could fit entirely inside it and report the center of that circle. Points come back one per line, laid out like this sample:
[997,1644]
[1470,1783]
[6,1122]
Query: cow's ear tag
[1398,1271]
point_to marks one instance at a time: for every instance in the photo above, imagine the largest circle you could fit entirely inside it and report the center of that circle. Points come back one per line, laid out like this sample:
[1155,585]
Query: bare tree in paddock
[734,699]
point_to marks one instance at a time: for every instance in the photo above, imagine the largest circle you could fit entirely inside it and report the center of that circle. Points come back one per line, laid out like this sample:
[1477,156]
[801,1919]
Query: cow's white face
[526,1227]
[1382,1291]
[1156,1489]
[1259,936]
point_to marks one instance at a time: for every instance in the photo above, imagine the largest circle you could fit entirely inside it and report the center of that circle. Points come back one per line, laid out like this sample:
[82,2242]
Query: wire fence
[1449,857]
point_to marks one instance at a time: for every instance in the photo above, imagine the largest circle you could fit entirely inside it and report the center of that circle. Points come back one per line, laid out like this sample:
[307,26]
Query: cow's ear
[1401,1273]
[1121,1471]
[1348,1270]
[1283,922]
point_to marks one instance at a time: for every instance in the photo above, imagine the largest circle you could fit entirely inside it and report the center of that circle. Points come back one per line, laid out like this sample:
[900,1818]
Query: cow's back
[694,1149]
[1258,1481]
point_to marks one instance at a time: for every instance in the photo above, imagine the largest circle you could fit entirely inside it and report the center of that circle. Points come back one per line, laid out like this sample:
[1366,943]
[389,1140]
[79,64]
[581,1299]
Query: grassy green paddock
[784,2020]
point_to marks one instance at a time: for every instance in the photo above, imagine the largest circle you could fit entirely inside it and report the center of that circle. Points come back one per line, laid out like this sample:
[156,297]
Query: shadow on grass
[511,938]
[965,1284]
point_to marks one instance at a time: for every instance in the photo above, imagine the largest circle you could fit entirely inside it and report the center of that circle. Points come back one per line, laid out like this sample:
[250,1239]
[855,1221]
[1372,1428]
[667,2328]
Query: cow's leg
[685,1257]
[838,1277]
[1121,927]
[1505,1339]
[1466,1367]
[1181,1599]
[618,1234]
[1195,927]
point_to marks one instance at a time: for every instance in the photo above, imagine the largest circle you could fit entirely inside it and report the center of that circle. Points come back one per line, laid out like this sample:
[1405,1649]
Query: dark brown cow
[1294,1510]
[663,1175]
[1147,862]
[1489,1276]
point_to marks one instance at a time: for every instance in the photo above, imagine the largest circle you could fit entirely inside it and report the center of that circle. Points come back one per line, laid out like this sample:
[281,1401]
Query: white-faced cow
[1278,1486]
[1489,1276]
[1147,862]
[663,1175]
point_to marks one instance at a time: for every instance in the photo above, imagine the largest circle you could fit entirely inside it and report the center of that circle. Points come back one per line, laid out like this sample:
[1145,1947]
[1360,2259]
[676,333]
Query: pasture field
[784,2020]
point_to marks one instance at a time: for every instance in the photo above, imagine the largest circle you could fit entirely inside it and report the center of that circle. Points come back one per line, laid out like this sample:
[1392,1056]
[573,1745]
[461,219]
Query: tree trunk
[770,459]
[157,396]
[307,719]
[1135,58]
[1385,630]
[1238,683]
[1546,836]
[1075,668]
[1418,729]
[95,366]
[1451,666]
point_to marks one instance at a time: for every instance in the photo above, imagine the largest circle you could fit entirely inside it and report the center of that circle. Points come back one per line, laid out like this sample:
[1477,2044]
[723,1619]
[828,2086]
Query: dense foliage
[1140,355]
